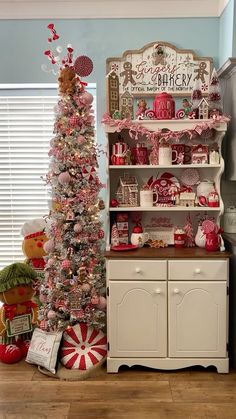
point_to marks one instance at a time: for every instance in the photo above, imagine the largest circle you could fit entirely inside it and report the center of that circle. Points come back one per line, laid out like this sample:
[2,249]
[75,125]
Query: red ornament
[164,106]
[114,203]
[74,121]
[83,66]
[66,264]
[101,234]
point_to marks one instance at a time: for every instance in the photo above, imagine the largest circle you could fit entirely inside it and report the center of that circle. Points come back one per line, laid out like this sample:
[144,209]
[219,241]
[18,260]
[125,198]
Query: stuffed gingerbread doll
[18,314]
[34,235]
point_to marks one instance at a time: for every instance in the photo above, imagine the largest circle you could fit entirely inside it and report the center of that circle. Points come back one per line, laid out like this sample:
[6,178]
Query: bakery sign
[159,67]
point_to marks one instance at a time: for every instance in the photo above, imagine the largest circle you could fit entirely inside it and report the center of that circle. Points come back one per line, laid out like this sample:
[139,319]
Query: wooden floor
[136,393]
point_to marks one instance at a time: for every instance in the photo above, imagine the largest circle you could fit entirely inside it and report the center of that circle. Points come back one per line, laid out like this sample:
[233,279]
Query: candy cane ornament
[54,35]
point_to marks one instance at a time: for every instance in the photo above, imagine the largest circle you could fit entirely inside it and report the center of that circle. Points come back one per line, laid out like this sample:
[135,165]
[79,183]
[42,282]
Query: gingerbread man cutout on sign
[201,71]
[128,73]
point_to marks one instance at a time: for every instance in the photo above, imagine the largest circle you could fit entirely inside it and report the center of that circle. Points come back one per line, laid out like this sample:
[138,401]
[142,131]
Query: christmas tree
[188,228]
[74,286]
[196,96]
[214,97]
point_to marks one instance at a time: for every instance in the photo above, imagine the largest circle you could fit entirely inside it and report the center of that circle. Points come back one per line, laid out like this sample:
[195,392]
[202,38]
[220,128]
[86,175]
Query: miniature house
[113,92]
[203,109]
[187,199]
[200,154]
[127,109]
[127,192]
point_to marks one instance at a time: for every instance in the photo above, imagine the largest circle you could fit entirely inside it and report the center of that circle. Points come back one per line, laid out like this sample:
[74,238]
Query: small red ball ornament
[164,106]
[114,203]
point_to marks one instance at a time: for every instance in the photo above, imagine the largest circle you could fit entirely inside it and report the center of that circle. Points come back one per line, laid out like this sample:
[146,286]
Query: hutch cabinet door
[197,319]
[137,313]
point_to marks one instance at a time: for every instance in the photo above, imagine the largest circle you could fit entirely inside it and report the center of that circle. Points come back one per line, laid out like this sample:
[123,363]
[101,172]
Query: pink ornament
[86,98]
[64,178]
[85,287]
[78,228]
[94,300]
[102,303]
[66,264]
[51,314]
[50,262]
[80,139]
[49,246]
[43,298]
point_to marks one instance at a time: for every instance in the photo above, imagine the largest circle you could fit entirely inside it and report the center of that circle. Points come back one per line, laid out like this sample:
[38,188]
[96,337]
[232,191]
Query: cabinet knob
[176,290]
[157,291]
[137,270]
[197,271]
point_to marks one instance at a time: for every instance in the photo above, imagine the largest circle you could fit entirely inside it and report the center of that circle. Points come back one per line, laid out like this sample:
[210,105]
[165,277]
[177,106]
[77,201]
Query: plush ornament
[18,315]
[64,178]
[67,81]
[33,244]
[83,347]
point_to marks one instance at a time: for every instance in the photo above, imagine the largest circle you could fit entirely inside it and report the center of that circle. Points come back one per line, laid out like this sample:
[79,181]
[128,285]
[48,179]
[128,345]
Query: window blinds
[26,127]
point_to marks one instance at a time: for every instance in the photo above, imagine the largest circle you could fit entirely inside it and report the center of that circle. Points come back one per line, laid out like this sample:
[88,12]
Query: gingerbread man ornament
[128,73]
[201,72]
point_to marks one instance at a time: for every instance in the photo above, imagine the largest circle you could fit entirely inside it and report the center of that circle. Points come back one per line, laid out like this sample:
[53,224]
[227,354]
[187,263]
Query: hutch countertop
[167,253]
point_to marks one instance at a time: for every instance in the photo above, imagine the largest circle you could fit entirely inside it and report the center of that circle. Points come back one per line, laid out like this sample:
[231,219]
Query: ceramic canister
[165,155]
[146,198]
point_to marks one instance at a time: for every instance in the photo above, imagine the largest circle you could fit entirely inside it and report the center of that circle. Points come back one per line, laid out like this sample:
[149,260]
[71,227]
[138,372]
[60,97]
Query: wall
[22,43]
[226,33]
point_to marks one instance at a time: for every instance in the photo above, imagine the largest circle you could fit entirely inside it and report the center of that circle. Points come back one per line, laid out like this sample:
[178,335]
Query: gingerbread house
[127,192]
[203,109]
[127,105]
[113,92]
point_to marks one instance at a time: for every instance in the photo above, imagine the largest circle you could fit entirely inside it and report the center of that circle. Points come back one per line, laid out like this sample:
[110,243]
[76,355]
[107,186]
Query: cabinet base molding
[221,364]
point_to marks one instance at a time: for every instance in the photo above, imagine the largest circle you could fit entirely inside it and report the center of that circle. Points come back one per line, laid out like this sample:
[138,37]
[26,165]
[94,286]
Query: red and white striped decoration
[89,172]
[83,347]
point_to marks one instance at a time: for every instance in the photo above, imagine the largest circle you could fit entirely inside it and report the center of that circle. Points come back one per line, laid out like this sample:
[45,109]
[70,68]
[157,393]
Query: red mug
[212,242]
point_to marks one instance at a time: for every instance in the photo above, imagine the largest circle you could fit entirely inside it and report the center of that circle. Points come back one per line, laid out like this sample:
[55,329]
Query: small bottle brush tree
[214,97]
[196,96]
[74,285]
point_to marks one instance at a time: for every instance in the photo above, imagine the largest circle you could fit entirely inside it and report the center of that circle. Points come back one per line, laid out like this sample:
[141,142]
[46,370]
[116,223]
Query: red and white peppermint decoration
[190,177]
[208,226]
[83,66]
[83,347]
[88,172]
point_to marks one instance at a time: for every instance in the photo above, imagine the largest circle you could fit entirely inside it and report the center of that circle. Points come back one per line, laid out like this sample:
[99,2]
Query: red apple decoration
[114,203]
[137,229]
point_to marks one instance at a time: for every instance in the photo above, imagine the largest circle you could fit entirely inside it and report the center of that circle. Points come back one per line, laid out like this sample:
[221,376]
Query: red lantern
[164,106]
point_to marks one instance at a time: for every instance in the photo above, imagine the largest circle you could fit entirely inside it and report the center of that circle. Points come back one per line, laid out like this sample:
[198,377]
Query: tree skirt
[74,374]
